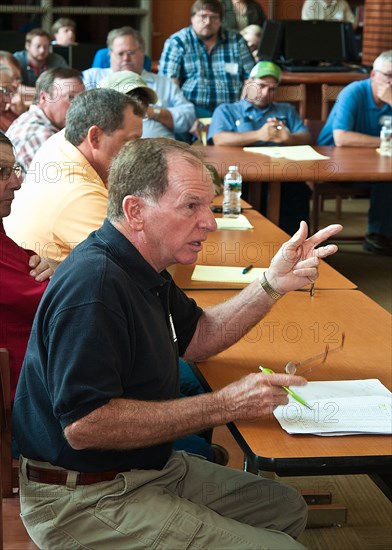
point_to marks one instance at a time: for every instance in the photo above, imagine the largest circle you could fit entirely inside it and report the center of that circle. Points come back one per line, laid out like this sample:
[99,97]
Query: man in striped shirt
[208,62]
[55,89]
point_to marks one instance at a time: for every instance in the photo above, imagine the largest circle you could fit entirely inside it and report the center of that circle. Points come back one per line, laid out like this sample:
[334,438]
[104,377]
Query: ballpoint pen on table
[288,390]
[247,269]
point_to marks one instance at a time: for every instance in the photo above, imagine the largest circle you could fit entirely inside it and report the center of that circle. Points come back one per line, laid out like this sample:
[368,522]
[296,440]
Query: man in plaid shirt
[208,62]
[54,92]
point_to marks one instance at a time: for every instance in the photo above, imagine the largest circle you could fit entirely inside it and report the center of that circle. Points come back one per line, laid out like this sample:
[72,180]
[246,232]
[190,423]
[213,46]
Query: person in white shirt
[328,10]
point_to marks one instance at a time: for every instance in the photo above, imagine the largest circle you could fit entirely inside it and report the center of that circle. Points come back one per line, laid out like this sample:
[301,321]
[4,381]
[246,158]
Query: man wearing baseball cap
[131,84]
[257,120]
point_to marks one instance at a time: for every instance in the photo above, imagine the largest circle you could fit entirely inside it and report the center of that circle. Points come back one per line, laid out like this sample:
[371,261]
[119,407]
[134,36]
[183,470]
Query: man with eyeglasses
[16,106]
[6,91]
[258,120]
[23,274]
[355,121]
[208,62]
[172,115]
[55,90]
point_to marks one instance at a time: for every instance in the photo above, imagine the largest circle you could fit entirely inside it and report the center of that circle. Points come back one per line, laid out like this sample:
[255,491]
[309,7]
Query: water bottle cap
[233,167]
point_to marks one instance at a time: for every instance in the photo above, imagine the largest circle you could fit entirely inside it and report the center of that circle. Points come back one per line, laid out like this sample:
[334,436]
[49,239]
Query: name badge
[231,68]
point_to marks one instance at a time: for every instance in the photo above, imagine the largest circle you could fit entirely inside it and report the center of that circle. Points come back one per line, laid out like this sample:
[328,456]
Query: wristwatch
[157,112]
[268,288]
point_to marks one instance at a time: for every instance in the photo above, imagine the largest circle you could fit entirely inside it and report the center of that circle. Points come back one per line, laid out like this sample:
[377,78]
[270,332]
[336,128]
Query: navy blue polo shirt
[109,326]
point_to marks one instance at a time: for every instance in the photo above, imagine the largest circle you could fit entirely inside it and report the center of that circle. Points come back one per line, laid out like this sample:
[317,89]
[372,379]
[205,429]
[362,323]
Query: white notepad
[241,222]
[222,274]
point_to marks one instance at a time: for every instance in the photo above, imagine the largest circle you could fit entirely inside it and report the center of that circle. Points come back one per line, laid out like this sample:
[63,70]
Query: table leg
[254,194]
[273,202]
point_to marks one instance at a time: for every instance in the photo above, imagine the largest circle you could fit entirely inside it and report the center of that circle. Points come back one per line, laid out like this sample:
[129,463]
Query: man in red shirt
[23,276]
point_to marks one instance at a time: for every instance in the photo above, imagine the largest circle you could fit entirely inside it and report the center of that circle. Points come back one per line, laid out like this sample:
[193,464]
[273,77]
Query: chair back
[203,128]
[3,429]
[5,425]
[314,127]
[329,94]
[295,94]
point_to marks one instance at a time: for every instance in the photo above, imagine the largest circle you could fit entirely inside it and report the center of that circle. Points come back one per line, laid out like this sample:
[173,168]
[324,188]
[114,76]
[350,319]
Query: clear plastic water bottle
[232,188]
[385,138]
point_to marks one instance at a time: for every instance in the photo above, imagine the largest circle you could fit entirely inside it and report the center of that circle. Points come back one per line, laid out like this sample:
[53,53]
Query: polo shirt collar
[131,259]
[369,93]
[76,156]
[251,107]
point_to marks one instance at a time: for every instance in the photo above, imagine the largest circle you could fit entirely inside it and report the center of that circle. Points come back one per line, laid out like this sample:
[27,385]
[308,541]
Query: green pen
[289,391]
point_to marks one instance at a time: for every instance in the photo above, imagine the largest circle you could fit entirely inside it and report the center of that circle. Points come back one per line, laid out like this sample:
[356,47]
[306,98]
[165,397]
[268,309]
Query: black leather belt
[59,477]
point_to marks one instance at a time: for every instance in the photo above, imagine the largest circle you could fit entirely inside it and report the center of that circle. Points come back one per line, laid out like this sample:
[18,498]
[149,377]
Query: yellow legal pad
[223,274]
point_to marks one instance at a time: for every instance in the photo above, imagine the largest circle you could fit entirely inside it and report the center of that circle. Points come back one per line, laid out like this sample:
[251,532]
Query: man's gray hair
[7,56]
[6,70]
[100,107]
[45,82]
[125,31]
[382,59]
[141,169]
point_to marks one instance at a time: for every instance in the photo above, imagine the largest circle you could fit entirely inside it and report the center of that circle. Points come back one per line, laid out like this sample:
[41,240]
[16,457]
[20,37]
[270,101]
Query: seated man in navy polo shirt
[97,407]
[257,120]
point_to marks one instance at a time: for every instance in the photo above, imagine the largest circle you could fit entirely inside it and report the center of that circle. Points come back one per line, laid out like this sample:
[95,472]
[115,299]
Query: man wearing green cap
[258,120]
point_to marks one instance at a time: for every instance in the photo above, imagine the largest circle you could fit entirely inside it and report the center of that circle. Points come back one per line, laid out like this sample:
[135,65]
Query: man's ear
[94,135]
[133,211]
[244,88]
[42,97]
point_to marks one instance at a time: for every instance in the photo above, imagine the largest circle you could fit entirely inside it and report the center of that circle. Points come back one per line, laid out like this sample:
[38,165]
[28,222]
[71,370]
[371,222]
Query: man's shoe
[221,456]
[378,244]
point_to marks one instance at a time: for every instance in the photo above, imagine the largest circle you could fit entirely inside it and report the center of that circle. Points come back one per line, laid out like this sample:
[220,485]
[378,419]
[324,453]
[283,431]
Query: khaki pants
[189,504]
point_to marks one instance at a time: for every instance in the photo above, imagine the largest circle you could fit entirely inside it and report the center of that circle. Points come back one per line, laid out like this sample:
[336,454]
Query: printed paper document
[346,407]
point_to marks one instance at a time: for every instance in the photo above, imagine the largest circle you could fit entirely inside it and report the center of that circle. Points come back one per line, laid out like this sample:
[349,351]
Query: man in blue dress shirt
[172,114]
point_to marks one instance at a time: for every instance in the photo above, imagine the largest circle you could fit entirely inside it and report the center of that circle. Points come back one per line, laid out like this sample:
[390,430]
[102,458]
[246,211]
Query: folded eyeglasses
[319,360]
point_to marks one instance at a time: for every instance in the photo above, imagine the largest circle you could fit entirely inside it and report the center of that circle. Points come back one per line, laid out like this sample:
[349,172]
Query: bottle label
[235,186]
